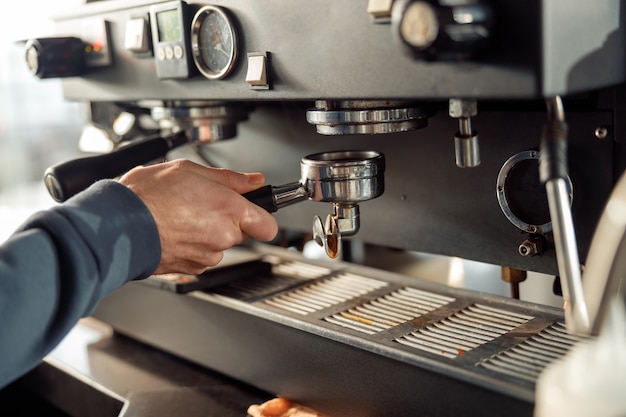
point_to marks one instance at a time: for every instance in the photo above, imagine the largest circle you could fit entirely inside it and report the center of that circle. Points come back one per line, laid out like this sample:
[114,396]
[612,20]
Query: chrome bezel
[196,23]
[503,202]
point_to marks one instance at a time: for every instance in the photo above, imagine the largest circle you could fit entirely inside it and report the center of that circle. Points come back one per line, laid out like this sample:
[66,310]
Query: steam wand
[553,173]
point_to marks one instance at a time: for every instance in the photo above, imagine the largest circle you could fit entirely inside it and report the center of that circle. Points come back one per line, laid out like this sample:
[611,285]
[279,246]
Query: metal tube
[554,107]
[465,126]
[576,314]
[553,171]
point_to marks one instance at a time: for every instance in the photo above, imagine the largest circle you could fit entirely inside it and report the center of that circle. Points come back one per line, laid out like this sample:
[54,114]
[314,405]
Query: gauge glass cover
[213,42]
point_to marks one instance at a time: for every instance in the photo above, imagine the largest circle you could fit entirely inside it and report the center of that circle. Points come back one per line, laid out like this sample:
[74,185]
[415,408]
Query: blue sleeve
[58,265]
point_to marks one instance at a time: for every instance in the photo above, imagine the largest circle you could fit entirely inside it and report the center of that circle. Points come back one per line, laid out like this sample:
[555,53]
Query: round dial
[213,42]
[438,29]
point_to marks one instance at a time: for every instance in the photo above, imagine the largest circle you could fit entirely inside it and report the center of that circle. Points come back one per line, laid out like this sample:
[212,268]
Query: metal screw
[532,246]
[527,249]
[601,132]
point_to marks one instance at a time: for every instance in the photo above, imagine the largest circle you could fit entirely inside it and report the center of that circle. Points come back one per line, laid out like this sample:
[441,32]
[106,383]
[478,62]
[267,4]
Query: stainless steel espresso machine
[486,130]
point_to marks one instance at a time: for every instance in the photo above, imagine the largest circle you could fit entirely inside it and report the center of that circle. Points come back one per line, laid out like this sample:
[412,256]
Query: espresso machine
[485,130]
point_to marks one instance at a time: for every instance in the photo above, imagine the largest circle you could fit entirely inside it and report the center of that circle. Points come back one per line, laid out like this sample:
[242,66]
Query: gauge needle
[218,41]
[218,47]
[216,33]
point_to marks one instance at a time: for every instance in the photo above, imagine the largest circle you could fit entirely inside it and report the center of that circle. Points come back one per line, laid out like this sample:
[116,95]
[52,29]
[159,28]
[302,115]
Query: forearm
[62,262]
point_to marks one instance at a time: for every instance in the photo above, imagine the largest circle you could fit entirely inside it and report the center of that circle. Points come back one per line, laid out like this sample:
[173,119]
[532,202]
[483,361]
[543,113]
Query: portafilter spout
[343,178]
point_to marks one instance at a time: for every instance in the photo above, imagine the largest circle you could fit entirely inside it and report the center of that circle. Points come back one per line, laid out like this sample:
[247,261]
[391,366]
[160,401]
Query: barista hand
[199,212]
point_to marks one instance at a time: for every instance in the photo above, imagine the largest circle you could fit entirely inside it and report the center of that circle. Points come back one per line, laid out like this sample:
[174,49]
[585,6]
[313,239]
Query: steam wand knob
[442,30]
[56,57]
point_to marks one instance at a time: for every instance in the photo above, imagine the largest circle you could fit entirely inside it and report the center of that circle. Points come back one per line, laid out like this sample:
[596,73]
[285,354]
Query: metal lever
[69,178]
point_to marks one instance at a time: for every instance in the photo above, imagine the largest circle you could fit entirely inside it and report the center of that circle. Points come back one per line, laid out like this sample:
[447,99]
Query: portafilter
[343,178]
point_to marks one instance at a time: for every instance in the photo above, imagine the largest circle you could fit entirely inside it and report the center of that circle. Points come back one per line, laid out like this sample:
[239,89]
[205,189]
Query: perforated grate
[325,293]
[389,310]
[527,359]
[300,270]
[464,330]
[284,276]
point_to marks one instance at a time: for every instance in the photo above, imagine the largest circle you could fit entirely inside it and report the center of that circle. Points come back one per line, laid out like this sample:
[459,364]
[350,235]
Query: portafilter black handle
[272,198]
[71,177]
[263,197]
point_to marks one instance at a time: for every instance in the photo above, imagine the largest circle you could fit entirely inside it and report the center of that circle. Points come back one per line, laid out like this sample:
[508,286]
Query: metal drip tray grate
[464,330]
[527,359]
[355,333]
[389,310]
[299,269]
[325,293]
[284,275]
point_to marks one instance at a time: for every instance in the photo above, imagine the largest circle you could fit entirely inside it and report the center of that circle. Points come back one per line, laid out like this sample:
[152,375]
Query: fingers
[199,212]
[258,223]
[241,182]
[190,267]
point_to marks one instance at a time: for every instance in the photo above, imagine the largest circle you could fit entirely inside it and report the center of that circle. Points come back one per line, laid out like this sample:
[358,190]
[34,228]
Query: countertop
[98,373]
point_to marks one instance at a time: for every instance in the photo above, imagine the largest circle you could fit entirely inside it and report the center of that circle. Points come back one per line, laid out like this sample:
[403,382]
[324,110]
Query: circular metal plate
[521,196]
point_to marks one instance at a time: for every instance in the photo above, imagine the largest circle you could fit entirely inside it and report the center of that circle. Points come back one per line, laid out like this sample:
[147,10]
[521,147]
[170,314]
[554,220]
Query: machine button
[256,76]
[161,54]
[178,51]
[136,35]
[169,52]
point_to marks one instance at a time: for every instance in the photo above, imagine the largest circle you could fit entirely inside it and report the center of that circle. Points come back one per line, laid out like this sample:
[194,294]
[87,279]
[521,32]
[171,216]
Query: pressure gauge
[213,42]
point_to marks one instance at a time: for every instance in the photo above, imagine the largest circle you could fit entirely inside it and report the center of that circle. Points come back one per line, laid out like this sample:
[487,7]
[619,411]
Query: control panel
[405,49]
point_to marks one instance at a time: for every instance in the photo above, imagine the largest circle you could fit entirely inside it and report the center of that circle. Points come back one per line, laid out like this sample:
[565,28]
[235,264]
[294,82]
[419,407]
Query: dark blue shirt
[60,263]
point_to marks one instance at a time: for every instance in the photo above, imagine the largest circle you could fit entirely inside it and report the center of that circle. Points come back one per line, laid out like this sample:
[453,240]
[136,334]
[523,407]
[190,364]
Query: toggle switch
[380,10]
[136,36]
[256,76]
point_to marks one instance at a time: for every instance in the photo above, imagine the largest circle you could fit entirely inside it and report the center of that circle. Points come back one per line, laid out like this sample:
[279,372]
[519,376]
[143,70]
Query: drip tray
[350,340]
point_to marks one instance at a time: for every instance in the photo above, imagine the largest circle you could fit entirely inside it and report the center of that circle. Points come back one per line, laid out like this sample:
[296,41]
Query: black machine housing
[329,53]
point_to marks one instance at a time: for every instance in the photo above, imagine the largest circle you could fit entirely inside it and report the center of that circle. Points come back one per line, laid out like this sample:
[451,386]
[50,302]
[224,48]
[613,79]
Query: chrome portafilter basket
[343,178]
